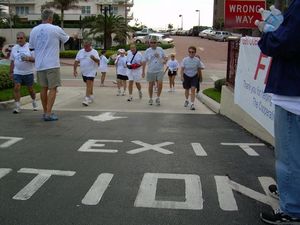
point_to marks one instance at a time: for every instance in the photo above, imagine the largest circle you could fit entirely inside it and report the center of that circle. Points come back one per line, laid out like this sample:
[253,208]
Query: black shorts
[172,73]
[122,77]
[189,82]
[84,78]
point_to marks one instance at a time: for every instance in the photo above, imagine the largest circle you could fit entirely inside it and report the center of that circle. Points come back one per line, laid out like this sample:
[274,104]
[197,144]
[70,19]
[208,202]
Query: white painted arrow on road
[103,117]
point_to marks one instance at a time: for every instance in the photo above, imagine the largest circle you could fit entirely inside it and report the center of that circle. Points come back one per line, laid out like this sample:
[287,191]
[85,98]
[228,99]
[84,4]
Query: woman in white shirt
[172,68]
[103,67]
[121,68]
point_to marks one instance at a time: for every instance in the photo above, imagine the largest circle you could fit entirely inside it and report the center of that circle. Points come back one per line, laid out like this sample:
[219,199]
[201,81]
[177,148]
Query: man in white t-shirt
[155,58]
[45,40]
[21,70]
[89,60]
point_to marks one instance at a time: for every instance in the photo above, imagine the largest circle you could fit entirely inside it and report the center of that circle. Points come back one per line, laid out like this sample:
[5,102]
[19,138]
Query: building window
[22,10]
[85,9]
[115,10]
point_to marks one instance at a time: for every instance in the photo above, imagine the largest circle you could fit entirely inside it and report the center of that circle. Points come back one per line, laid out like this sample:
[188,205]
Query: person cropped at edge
[45,40]
[21,70]
[283,46]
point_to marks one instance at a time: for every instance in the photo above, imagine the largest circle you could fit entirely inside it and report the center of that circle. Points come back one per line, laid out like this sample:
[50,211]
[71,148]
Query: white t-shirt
[155,59]
[21,67]
[103,63]
[190,66]
[88,67]
[121,65]
[138,59]
[289,103]
[45,40]
[172,65]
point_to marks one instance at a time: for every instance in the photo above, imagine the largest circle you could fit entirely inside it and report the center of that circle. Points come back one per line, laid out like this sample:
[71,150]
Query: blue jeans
[287,150]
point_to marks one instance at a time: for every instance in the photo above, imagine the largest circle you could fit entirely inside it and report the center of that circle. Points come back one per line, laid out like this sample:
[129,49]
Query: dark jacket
[283,45]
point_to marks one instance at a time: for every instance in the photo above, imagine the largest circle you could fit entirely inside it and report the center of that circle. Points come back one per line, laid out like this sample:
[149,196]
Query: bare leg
[89,88]
[51,100]
[103,75]
[31,92]
[150,88]
[44,98]
[159,87]
[130,87]
[17,94]
[193,90]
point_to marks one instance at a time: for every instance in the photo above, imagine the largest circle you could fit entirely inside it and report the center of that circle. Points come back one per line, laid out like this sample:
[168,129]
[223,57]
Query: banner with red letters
[242,13]
[251,77]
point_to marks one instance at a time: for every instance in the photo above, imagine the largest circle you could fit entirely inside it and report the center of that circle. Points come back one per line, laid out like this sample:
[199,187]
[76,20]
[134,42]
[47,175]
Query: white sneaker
[186,103]
[140,94]
[91,99]
[150,101]
[192,106]
[157,101]
[119,92]
[16,110]
[34,105]
[124,93]
[85,102]
[170,90]
[173,89]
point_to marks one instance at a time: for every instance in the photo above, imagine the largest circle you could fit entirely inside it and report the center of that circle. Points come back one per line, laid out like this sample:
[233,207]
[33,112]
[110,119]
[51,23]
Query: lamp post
[181,21]
[198,11]
[105,9]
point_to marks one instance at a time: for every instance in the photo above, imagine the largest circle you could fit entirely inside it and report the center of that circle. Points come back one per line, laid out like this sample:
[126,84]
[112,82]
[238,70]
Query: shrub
[219,83]
[5,81]
[213,93]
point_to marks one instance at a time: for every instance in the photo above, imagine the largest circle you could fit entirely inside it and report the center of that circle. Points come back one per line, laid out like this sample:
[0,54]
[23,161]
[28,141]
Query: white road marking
[10,142]
[198,149]
[147,192]
[88,146]
[214,78]
[148,147]
[246,147]
[4,172]
[42,176]
[225,188]
[103,117]
[97,190]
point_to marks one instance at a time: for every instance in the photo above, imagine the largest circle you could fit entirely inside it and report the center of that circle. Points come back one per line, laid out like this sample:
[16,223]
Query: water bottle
[272,16]
[264,27]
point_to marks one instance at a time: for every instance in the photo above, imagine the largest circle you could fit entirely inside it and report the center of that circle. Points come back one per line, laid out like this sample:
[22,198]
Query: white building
[30,10]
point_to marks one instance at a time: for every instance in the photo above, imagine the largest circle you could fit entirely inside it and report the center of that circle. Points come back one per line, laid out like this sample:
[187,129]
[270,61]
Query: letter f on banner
[261,66]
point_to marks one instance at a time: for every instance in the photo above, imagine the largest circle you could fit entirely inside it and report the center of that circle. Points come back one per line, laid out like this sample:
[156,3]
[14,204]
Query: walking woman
[190,73]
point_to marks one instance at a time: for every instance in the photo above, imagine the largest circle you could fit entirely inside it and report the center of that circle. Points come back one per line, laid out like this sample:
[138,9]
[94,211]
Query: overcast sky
[159,13]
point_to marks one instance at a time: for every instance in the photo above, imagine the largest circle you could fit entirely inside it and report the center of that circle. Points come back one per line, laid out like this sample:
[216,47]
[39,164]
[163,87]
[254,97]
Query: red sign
[242,13]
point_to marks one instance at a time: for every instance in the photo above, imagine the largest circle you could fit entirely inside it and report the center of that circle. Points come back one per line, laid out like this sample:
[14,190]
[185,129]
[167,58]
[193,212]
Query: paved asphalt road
[157,169]
[138,166]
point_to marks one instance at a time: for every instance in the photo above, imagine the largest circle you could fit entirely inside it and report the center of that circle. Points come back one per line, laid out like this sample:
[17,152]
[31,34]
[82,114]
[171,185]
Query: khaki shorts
[49,78]
[155,76]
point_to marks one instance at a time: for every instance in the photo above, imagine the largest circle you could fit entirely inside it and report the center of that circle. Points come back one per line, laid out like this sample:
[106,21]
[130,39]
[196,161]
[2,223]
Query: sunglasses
[192,52]
[19,38]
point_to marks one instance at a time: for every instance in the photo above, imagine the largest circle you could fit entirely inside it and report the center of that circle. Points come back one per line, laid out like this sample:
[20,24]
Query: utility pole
[105,9]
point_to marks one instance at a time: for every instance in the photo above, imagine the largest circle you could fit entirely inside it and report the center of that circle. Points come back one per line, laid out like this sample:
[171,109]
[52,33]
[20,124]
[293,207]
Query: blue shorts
[24,79]
[189,82]
[85,78]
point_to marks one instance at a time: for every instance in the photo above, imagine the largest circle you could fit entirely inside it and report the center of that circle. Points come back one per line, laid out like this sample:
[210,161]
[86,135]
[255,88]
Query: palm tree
[62,5]
[114,25]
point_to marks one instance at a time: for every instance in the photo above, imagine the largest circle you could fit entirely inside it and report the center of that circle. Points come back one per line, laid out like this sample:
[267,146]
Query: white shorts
[137,77]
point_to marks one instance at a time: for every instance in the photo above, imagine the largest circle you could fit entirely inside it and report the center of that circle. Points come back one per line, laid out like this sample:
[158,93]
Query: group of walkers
[43,51]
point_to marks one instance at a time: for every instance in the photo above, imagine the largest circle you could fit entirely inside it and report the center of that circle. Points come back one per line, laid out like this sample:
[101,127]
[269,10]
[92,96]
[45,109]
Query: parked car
[161,38]
[139,39]
[211,35]
[221,35]
[205,33]
[144,32]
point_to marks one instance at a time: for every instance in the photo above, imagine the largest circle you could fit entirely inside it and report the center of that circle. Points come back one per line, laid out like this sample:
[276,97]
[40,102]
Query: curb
[210,103]
[10,104]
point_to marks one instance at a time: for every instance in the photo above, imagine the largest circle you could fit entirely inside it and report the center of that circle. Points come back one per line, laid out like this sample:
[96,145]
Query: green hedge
[8,94]
[219,83]
[71,54]
[5,81]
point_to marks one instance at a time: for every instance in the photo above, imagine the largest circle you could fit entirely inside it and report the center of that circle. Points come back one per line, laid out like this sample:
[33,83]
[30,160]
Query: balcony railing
[17,2]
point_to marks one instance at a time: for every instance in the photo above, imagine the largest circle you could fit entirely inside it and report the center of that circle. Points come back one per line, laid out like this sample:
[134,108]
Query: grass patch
[213,93]
[7,94]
